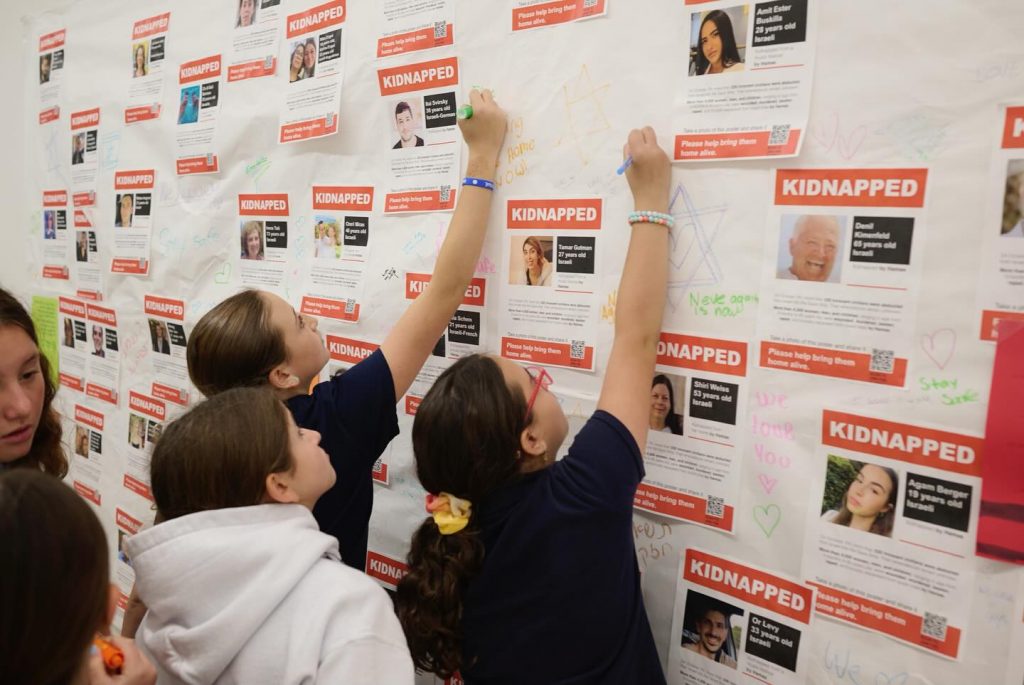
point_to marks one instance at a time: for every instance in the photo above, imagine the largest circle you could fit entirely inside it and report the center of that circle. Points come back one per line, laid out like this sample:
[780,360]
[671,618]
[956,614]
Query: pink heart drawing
[829,135]
[767,482]
[939,346]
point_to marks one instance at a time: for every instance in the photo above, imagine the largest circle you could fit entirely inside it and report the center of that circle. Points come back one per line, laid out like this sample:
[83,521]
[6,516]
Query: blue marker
[625,165]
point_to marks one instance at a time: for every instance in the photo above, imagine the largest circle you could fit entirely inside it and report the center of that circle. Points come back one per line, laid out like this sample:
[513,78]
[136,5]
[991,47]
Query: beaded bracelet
[478,182]
[649,217]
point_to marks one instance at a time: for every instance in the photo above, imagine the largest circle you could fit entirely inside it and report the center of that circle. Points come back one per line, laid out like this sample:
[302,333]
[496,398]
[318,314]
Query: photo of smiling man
[707,628]
[809,246]
[405,122]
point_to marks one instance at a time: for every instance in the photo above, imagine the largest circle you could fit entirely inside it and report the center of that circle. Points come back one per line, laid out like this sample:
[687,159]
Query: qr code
[934,626]
[716,507]
[589,3]
[329,120]
[882,361]
[350,305]
[577,349]
[445,194]
[440,30]
[780,135]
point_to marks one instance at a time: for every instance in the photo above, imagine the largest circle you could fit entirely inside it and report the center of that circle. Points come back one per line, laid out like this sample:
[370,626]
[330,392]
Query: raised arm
[641,299]
[416,333]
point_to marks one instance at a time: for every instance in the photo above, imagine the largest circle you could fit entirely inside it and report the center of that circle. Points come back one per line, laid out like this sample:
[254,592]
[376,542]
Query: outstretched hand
[650,172]
[484,132]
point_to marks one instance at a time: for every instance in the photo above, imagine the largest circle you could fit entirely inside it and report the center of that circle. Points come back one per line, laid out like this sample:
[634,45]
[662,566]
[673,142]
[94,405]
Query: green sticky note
[44,316]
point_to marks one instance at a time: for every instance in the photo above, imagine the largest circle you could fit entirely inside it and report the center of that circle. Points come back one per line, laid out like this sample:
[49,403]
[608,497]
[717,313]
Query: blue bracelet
[478,182]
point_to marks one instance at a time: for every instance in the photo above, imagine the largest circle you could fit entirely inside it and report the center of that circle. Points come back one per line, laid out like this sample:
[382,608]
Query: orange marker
[113,658]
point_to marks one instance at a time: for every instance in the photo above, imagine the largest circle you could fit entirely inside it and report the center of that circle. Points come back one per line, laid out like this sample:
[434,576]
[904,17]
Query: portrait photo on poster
[860,495]
[252,240]
[712,628]
[718,41]
[531,261]
[668,393]
[45,62]
[245,16]
[1013,201]
[125,205]
[406,121]
[158,336]
[188,105]
[140,59]
[811,248]
[326,237]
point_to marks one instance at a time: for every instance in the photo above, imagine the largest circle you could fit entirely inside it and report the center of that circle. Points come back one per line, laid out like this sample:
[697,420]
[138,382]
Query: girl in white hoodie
[241,585]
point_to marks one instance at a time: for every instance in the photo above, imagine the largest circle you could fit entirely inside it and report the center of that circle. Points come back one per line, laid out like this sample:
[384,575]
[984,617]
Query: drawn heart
[939,346]
[767,482]
[223,274]
[886,679]
[825,135]
[767,518]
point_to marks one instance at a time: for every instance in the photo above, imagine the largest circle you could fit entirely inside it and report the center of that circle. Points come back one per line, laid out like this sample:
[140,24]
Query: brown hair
[220,453]
[46,452]
[54,579]
[234,344]
[466,442]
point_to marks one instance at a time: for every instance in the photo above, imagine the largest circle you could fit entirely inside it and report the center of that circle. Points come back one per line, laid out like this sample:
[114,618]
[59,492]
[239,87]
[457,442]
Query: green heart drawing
[767,518]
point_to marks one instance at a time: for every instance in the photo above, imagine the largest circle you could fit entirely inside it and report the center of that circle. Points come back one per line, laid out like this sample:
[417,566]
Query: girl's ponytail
[429,598]
[466,441]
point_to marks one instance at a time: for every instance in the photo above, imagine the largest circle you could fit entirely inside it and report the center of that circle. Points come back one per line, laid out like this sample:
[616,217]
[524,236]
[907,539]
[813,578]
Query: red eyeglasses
[541,379]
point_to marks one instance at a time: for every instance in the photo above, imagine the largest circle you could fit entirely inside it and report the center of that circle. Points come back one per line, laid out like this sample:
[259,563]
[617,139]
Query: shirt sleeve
[363,399]
[603,466]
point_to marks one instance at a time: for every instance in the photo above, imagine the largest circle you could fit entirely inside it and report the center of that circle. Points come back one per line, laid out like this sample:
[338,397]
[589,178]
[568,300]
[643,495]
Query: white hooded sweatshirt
[253,595]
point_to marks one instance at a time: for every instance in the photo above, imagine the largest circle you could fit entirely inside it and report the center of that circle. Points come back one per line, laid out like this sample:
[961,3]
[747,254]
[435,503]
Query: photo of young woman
[534,266]
[136,431]
[713,48]
[125,208]
[860,496]
[246,13]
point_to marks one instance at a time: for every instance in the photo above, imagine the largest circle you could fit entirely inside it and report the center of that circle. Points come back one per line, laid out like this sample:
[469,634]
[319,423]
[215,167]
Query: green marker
[464,112]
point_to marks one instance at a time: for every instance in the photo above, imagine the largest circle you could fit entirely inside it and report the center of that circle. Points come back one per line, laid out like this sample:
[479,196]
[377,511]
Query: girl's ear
[281,378]
[533,450]
[279,489]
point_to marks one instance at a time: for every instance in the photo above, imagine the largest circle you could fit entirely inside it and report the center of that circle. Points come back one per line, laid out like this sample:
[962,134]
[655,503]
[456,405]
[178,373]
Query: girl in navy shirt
[256,338]
[522,551]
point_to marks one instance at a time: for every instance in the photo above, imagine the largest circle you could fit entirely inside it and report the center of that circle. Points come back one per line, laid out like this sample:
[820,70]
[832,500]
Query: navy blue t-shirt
[558,597]
[356,418]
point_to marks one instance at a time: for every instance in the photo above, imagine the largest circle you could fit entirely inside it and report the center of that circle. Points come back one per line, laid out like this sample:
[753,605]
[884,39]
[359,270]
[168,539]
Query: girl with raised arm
[520,550]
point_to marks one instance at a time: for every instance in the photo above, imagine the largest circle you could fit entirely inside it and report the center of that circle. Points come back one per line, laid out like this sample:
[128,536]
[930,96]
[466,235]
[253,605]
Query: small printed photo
[712,628]
[406,120]
[246,14]
[154,430]
[97,342]
[136,431]
[45,62]
[125,210]
[68,340]
[718,41]
[82,241]
[82,441]
[1013,201]
[297,70]
[810,248]
[252,240]
[122,556]
[49,225]
[665,388]
[77,148]
[158,336]
[188,105]
[327,237]
[140,59]
[531,261]
[860,495]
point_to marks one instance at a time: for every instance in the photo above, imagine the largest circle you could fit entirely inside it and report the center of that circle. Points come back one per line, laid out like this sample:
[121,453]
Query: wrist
[482,166]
